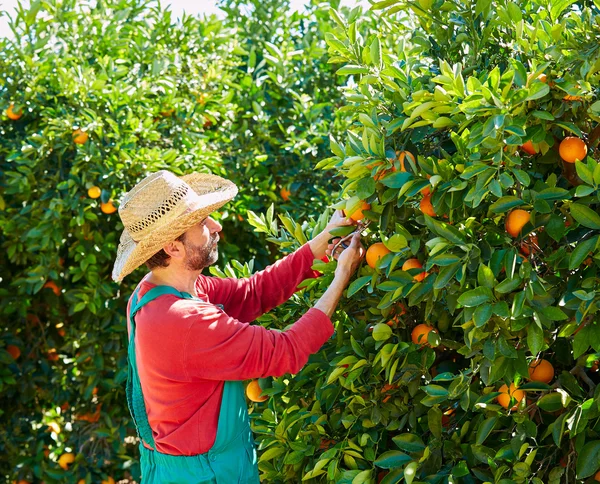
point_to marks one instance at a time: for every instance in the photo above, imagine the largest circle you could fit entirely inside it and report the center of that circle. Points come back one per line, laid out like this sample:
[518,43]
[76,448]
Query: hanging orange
[12,114]
[14,351]
[285,194]
[426,206]
[420,332]
[94,192]
[528,148]
[404,156]
[375,252]
[80,137]
[414,264]
[254,392]
[108,207]
[358,213]
[504,397]
[515,221]
[572,148]
[541,370]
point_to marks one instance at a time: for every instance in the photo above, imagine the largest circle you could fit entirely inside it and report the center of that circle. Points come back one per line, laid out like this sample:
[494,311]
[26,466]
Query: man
[190,344]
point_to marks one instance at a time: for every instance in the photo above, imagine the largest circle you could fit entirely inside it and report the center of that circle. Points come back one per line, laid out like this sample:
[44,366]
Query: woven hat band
[156,204]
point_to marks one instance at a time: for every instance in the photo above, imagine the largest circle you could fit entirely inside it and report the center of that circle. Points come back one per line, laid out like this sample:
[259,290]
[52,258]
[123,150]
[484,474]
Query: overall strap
[135,397]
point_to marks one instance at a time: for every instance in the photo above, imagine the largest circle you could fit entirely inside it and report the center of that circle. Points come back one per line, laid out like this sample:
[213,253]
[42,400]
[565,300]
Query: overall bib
[232,458]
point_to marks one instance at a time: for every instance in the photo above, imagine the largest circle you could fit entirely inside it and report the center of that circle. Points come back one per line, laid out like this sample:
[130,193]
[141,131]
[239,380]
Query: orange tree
[478,366]
[93,98]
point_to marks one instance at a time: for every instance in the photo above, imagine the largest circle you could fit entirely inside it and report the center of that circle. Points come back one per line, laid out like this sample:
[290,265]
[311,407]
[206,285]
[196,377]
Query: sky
[177,7]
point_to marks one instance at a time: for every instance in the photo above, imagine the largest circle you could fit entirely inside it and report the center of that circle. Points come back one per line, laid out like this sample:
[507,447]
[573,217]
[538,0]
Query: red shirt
[187,348]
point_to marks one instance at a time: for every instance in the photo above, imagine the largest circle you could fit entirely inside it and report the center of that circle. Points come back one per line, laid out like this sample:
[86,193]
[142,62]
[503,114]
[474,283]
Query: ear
[175,249]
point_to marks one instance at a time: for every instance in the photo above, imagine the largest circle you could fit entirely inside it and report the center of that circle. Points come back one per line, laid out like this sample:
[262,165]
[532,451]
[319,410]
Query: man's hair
[161,258]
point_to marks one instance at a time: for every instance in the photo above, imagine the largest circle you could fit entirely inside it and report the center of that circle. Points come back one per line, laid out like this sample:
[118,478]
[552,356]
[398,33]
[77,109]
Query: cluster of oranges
[108,207]
[540,370]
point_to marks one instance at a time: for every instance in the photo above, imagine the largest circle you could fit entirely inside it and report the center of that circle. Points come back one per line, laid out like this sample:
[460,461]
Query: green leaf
[551,402]
[409,442]
[535,338]
[585,216]
[357,284]
[588,460]
[392,459]
[558,7]
[396,179]
[381,332]
[445,274]
[352,69]
[485,276]
[484,429]
[445,230]
[504,204]
[570,127]
[475,297]
[554,313]
[271,453]
[537,90]
[581,252]
[508,285]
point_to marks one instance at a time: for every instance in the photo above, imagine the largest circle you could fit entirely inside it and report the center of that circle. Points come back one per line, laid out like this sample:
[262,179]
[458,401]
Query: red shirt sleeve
[219,347]
[248,298]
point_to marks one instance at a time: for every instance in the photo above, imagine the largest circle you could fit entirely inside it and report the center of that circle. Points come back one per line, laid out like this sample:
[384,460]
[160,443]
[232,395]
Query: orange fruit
[12,114]
[426,191]
[541,370]
[528,148]
[542,78]
[516,220]
[597,476]
[420,332]
[375,252]
[358,213]
[66,459]
[504,397]
[91,417]
[52,285]
[404,155]
[81,481]
[572,148]
[568,97]
[52,354]
[380,174]
[94,192]
[108,207]
[110,480]
[253,392]
[414,264]
[80,137]
[14,351]
[285,194]
[426,206]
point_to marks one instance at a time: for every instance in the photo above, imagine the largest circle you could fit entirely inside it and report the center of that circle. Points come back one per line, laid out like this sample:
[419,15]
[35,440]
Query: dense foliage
[93,98]
[473,154]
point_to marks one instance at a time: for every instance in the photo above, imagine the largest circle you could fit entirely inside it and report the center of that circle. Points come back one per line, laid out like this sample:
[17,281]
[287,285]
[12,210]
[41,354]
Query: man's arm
[247,299]
[221,348]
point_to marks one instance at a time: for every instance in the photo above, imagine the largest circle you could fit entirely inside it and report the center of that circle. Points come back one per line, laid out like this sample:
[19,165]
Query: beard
[199,257]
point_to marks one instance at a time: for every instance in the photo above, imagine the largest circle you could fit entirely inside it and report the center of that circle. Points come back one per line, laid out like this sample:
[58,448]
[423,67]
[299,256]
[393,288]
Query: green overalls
[232,458]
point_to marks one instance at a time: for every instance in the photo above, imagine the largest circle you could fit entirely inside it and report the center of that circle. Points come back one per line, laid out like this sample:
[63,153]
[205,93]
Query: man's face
[200,244]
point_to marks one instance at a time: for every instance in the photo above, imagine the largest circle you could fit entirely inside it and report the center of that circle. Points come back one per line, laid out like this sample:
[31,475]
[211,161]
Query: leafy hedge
[248,99]
[482,95]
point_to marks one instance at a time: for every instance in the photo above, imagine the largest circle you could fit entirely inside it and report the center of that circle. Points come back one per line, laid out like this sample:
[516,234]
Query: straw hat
[162,207]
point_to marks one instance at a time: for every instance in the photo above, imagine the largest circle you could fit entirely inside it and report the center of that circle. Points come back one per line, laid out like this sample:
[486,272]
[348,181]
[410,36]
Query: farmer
[190,341]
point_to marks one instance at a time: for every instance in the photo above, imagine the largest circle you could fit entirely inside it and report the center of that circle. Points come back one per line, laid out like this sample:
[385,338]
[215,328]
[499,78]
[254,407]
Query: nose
[213,225]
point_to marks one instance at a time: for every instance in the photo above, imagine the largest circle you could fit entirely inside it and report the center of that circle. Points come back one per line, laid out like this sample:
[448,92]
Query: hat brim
[131,254]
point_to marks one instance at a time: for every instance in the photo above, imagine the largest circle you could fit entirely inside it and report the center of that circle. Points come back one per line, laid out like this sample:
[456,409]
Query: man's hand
[318,245]
[350,257]
[338,219]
